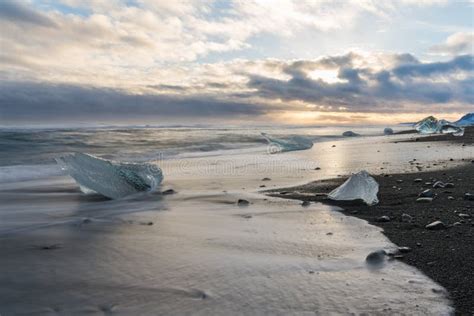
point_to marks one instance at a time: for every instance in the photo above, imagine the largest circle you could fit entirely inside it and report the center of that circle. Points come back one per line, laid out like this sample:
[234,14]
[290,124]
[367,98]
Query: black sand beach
[445,255]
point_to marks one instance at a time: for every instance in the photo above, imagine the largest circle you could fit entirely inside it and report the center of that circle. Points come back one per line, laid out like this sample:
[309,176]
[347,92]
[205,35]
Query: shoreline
[445,255]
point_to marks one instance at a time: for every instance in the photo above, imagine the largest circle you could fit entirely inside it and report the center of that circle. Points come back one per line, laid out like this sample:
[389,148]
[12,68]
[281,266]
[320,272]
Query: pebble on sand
[424,200]
[242,202]
[437,225]
[383,219]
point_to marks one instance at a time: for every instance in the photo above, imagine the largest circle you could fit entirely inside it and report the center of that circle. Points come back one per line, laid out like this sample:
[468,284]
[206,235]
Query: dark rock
[376,257]
[406,218]
[424,200]
[263,186]
[306,203]
[437,225]
[439,184]
[329,234]
[242,202]
[383,219]
[404,249]
[247,216]
[317,168]
[417,180]
[427,193]
[266,179]
[469,196]
[168,192]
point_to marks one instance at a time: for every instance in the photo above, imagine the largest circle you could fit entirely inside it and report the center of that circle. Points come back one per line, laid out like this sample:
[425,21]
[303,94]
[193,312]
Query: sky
[235,62]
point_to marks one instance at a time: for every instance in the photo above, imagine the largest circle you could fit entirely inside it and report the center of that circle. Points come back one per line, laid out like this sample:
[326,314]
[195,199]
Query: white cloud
[457,43]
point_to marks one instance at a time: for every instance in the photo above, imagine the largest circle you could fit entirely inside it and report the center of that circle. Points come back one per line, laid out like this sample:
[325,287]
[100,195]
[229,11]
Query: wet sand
[445,255]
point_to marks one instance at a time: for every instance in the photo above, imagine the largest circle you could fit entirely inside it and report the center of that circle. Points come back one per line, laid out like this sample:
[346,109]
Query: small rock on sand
[417,180]
[427,193]
[424,200]
[404,249]
[437,225]
[406,218]
[306,203]
[469,196]
[376,257]
[383,219]
[266,179]
[242,202]
[168,192]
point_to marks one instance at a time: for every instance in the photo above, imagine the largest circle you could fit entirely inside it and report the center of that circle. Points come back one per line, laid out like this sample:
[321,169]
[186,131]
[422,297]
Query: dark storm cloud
[370,90]
[28,100]
[460,63]
[17,12]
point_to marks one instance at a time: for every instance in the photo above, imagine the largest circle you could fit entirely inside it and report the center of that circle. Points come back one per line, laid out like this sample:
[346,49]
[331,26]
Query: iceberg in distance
[112,179]
[466,120]
[291,144]
[360,186]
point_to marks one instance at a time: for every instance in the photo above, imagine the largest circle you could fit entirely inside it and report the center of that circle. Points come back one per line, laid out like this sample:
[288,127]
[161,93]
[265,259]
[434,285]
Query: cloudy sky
[290,62]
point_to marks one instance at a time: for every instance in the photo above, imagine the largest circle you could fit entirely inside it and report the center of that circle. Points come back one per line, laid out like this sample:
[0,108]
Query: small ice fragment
[291,144]
[110,178]
[388,131]
[360,186]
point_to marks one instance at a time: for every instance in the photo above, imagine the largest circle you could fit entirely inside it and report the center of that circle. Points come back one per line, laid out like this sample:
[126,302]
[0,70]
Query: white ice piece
[360,186]
[291,144]
[112,179]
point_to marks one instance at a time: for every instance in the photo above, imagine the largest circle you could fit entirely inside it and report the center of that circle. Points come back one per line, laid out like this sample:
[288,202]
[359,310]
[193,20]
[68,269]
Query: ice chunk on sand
[452,129]
[360,186]
[431,125]
[387,131]
[290,144]
[428,125]
[112,179]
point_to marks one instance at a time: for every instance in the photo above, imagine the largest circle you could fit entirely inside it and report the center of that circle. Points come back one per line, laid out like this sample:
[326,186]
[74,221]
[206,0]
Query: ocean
[197,251]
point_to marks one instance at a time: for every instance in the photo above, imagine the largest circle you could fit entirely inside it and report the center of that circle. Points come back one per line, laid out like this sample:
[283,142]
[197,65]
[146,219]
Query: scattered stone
[469,196]
[329,234]
[439,184]
[404,249]
[437,225]
[417,180]
[168,192]
[86,221]
[457,224]
[306,203]
[427,193]
[146,223]
[383,219]
[242,202]
[399,181]
[406,218]
[311,272]
[424,200]
[376,257]
[333,146]
[266,179]
[317,168]
[450,198]
[49,247]
[247,216]
[464,215]
[449,185]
